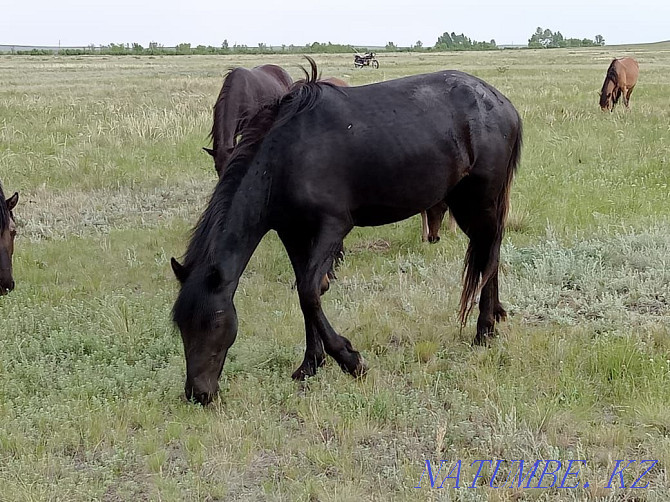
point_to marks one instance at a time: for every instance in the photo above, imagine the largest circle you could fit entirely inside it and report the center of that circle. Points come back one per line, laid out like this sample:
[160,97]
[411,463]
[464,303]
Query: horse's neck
[229,116]
[244,224]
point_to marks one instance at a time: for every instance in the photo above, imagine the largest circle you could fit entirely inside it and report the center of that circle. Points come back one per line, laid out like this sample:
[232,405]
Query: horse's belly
[372,216]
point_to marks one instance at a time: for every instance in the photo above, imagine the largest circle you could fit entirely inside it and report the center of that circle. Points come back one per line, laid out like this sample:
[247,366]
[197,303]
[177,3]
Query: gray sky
[358,22]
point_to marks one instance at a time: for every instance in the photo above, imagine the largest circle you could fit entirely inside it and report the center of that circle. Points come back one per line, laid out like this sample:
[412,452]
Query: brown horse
[243,93]
[7,233]
[620,79]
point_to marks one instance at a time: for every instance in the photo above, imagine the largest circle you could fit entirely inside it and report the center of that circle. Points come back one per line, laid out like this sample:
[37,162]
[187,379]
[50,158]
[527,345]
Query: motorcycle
[367,59]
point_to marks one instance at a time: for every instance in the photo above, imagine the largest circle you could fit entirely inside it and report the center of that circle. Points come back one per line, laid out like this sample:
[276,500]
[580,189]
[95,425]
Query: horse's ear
[209,151]
[12,201]
[213,279]
[179,270]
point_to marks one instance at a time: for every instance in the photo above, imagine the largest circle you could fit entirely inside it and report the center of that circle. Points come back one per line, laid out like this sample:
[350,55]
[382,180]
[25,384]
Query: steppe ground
[106,154]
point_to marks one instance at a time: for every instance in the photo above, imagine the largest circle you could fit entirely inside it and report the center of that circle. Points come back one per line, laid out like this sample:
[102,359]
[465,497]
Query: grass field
[106,154]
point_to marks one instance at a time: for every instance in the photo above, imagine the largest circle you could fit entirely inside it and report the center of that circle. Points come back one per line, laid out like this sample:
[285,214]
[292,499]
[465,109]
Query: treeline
[155,48]
[453,42]
[547,39]
[542,38]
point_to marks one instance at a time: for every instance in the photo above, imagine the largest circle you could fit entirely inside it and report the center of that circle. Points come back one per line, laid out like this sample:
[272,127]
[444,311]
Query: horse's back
[243,93]
[422,107]
[258,84]
[412,138]
[632,70]
[277,73]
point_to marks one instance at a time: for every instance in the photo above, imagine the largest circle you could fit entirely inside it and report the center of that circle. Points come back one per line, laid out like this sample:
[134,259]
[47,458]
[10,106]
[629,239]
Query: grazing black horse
[7,233]
[243,93]
[324,159]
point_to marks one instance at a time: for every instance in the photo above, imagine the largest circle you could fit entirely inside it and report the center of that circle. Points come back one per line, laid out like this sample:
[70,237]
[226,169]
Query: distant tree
[183,48]
[599,40]
[445,41]
[541,38]
[390,46]
[453,42]
[115,49]
[418,44]
[548,39]
[137,49]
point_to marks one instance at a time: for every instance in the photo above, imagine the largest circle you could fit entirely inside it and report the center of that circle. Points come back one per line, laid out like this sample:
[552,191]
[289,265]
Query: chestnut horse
[7,234]
[318,162]
[620,80]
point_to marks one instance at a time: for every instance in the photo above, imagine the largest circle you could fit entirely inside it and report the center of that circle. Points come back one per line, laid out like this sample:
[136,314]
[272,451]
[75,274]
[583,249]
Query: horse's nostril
[203,398]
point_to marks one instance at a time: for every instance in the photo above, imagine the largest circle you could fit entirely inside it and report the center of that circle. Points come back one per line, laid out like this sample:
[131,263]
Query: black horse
[7,234]
[324,159]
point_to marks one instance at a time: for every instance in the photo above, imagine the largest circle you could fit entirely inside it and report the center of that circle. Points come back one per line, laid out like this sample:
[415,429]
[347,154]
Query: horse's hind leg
[627,96]
[435,215]
[424,226]
[475,209]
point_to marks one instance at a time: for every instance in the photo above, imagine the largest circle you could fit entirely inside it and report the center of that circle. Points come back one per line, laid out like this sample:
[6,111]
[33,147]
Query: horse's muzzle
[197,396]
[6,288]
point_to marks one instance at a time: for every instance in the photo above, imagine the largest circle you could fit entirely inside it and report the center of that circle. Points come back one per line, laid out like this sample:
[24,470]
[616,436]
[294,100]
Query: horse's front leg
[297,248]
[308,277]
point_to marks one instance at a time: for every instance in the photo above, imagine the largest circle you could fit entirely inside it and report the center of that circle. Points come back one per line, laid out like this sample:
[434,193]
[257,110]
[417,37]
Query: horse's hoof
[483,338]
[434,239]
[307,370]
[299,374]
[500,314]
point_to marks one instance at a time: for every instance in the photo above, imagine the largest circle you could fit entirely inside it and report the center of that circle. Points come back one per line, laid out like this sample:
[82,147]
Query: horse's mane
[4,212]
[218,109]
[302,96]
[612,76]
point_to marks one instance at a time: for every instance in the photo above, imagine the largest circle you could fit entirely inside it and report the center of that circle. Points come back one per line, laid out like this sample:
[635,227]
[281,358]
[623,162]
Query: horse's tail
[476,272]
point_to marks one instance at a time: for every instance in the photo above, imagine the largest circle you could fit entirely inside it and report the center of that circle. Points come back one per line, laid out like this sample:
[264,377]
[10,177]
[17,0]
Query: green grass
[106,155]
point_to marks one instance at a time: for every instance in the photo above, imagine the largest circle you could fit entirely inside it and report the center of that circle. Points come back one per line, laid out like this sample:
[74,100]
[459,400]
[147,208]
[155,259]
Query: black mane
[302,95]
[611,76]
[218,110]
[4,212]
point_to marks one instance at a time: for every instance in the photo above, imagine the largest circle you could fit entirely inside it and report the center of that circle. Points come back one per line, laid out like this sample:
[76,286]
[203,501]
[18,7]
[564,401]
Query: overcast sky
[357,22]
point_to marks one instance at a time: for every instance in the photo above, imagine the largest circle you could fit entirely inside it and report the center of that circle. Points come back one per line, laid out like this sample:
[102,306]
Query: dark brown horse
[7,233]
[322,160]
[620,80]
[243,93]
